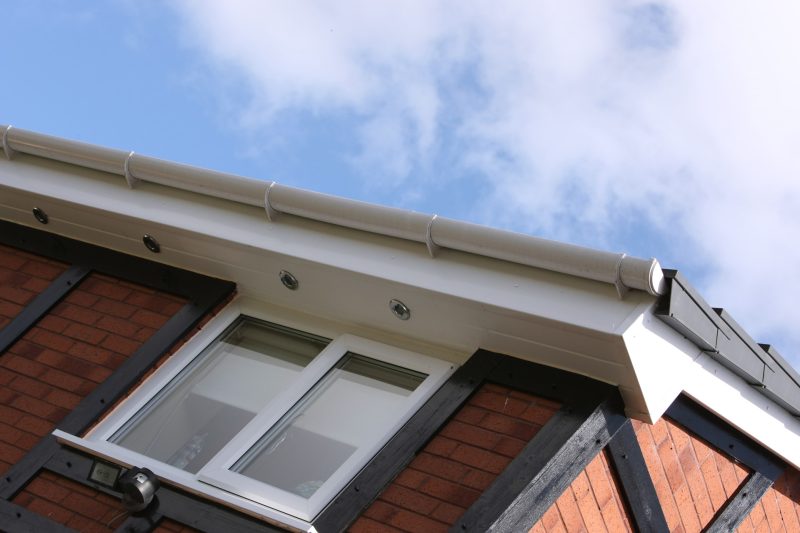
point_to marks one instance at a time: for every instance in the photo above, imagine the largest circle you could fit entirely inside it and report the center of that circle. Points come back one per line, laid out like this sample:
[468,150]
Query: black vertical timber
[545,468]
[36,309]
[740,504]
[637,485]
[402,448]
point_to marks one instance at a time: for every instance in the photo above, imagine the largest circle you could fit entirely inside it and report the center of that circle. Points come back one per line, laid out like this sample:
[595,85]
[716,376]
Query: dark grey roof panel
[719,335]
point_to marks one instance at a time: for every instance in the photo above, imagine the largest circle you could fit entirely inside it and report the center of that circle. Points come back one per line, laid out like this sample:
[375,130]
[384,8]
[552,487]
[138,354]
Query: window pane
[214,397]
[354,405]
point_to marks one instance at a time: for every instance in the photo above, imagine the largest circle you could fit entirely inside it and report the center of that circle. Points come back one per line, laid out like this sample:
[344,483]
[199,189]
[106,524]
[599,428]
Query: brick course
[459,463]
[22,277]
[692,479]
[72,504]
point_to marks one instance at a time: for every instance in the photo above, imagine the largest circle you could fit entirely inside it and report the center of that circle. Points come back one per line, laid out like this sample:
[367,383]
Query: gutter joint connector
[622,289]
[130,179]
[433,248]
[272,213]
[6,148]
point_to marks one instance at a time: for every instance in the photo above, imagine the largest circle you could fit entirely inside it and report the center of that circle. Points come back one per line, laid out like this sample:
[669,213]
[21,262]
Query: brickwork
[459,463]
[592,503]
[22,277]
[779,508]
[692,479]
[69,352]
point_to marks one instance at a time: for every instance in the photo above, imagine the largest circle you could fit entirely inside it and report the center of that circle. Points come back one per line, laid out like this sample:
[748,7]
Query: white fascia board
[744,407]
[667,364]
[458,300]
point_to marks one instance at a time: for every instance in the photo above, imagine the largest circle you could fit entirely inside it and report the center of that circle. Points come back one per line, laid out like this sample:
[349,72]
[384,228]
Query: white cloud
[680,114]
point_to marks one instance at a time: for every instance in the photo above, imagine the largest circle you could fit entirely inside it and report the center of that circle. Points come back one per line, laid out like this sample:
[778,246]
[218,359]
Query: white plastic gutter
[622,271]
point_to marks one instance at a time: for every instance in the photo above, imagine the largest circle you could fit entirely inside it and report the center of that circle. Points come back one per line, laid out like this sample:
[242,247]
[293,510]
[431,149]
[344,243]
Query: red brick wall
[80,507]
[592,503]
[69,352]
[60,360]
[459,463]
[692,479]
[22,277]
[72,504]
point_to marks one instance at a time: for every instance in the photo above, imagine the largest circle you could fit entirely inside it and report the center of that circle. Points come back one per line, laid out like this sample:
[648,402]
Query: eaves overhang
[477,287]
[608,316]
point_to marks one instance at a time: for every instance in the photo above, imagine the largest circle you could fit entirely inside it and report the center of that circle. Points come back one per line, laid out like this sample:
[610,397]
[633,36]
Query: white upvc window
[264,417]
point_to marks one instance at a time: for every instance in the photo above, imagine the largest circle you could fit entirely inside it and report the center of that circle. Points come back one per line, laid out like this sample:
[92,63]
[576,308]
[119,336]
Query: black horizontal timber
[545,468]
[547,381]
[724,437]
[140,524]
[169,502]
[206,516]
[39,306]
[402,448]
[17,519]
[740,504]
[128,267]
[637,485]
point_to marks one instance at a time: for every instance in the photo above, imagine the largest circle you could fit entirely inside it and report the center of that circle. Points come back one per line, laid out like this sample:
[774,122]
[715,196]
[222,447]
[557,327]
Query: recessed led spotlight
[288,280]
[151,243]
[400,309]
[40,215]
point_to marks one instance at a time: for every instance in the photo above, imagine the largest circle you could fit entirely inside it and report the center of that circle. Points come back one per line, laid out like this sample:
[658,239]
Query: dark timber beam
[402,448]
[724,437]
[128,267]
[30,315]
[169,502]
[546,467]
[637,485]
[765,466]
[740,504]
[140,524]
[17,519]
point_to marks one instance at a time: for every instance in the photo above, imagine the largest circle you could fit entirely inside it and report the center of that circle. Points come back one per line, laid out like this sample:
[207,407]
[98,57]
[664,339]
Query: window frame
[214,479]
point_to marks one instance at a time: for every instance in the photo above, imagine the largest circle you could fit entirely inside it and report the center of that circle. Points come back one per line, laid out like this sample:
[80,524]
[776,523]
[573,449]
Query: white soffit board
[667,364]
[458,300]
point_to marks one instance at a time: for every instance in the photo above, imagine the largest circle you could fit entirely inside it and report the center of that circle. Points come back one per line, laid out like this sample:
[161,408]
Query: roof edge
[717,334]
[621,270]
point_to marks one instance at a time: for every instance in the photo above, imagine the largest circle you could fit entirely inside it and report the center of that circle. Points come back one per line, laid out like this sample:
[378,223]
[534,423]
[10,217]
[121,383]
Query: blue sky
[662,129]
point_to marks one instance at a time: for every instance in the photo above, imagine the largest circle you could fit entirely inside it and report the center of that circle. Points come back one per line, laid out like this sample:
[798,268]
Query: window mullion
[271,413]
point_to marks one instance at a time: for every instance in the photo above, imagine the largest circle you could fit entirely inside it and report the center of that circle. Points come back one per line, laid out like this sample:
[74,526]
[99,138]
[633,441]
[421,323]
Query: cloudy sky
[663,128]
